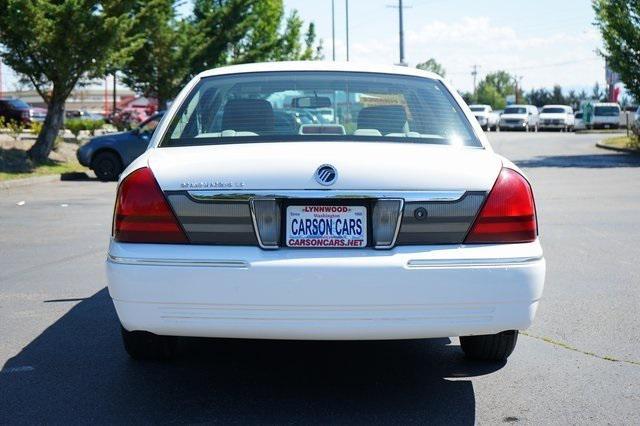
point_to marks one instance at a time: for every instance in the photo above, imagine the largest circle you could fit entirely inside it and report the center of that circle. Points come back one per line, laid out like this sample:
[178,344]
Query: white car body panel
[246,292]
[562,120]
[486,118]
[605,120]
[530,117]
[265,166]
[405,292]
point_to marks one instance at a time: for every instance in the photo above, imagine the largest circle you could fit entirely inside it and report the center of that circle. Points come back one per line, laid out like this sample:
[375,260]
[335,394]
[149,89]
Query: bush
[2,123]
[75,126]
[15,129]
[36,127]
[93,125]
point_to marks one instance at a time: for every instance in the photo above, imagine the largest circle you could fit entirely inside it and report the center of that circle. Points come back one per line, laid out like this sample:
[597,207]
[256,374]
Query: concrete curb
[16,183]
[615,148]
[600,132]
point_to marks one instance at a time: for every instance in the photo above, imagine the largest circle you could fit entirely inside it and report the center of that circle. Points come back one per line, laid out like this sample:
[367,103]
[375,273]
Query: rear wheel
[490,347]
[142,345]
[107,166]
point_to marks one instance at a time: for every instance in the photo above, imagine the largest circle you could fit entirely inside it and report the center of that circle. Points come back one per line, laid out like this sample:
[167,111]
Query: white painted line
[20,369]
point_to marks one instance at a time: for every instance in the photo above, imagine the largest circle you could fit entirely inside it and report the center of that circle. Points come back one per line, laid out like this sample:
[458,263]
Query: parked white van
[519,117]
[557,117]
[605,116]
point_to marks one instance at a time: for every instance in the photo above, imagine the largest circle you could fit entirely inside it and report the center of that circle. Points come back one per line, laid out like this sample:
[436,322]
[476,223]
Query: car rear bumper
[552,126]
[513,125]
[246,292]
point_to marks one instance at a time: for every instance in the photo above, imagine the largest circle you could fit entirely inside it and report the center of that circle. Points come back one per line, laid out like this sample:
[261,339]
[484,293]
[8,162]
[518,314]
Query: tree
[240,31]
[494,88]
[556,96]
[619,24]
[58,43]
[169,51]
[502,81]
[432,65]
[598,94]
[539,97]
[159,62]
[489,94]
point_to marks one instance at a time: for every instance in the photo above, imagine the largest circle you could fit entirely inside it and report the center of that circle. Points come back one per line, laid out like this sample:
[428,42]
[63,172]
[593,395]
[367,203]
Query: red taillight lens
[142,214]
[509,214]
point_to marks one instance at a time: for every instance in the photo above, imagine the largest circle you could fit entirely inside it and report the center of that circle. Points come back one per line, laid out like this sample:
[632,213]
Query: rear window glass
[477,109]
[607,111]
[18,104]
[317,106]
[553,111]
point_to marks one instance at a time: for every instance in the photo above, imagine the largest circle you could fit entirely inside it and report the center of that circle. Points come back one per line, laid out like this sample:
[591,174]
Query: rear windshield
[515,110]
[607,111]
[477,109]
[17,104]
[553,111]
[317,106]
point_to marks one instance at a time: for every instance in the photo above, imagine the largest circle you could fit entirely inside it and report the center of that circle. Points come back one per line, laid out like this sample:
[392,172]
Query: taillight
[142,214]
[509,213]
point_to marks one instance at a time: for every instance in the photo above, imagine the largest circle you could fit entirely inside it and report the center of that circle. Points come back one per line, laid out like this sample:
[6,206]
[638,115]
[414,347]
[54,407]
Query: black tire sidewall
[107,166]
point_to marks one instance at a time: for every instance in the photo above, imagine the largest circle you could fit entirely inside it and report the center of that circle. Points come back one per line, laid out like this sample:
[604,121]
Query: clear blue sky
[546,42]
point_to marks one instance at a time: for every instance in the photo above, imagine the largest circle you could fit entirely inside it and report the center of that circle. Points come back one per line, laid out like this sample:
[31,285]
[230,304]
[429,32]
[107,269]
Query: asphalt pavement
[62,360]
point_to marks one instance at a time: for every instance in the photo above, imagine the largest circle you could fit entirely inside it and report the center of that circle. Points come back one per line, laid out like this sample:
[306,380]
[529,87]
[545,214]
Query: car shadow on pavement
[588,161]
[77,371]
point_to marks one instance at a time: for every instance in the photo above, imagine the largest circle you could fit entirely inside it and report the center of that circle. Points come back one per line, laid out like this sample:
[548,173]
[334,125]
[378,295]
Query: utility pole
[401,8]
[518,80]
[474,73]
[347,13]
[333,29]
[114,92]
[1,93]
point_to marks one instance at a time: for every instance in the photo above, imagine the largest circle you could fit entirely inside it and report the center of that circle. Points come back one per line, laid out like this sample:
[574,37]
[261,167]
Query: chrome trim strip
[246,195]
[178,262]
[398,222]
[252,208]
[469,263]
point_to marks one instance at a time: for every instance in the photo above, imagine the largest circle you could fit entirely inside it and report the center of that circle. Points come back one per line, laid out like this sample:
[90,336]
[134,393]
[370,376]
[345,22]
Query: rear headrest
[248,115]
[385,118]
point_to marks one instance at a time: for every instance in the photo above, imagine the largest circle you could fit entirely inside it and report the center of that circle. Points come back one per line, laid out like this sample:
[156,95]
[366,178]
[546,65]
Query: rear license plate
[326,226]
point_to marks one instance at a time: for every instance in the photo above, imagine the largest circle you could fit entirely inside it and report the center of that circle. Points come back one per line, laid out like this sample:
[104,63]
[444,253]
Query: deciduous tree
[58,43]
[619,23]
[432,65]
[159,61]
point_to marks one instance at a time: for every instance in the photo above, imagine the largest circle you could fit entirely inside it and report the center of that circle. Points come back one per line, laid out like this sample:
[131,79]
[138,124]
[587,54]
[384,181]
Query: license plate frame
[333,215]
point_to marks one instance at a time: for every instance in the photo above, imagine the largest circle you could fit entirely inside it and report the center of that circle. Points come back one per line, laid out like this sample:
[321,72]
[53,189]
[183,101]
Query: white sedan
[395,220]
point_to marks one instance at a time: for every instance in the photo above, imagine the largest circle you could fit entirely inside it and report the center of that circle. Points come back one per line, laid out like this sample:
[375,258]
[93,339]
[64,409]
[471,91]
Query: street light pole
[400,8]
[333,29]
[400,17]
[347,14]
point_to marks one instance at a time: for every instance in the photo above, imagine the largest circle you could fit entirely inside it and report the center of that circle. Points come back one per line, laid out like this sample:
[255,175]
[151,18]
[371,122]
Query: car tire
[490,347]
[107,166]
[145,346]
